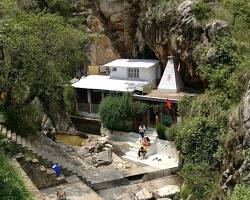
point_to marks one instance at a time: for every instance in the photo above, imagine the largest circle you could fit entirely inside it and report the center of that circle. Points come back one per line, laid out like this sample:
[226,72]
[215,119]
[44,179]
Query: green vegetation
[118,112]
[161,129]
[202,135]
[11,186]
[241,192]
[40,53]
[69,96]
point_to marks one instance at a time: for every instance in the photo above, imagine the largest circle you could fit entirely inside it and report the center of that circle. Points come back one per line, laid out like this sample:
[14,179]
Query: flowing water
[73,140]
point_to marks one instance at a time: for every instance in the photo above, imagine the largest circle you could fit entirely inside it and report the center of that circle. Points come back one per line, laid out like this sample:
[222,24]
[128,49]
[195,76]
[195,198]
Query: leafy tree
[198,139]
[69,96]
[118,112]
[41,53]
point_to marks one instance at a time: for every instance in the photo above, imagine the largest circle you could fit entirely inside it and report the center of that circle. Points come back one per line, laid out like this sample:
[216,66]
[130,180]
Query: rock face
[150,29]
[238,147]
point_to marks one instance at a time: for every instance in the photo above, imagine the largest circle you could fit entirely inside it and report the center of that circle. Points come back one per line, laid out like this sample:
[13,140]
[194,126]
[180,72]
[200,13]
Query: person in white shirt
[142,130]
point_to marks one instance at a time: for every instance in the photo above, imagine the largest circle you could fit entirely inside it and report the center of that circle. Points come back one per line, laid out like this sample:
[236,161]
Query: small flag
[179,67]
[168,104]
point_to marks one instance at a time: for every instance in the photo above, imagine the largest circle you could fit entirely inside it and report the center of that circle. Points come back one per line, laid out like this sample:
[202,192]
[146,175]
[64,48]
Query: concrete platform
[161,154]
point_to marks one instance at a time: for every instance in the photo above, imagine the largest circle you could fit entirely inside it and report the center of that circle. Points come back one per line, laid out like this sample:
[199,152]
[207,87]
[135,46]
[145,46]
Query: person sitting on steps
[60,194]
[145,142]
[142,152]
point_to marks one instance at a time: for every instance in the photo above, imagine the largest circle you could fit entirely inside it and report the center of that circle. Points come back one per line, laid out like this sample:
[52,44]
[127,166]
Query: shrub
[11,186]
[24,120]
[199,181]
[118,112]
[197,139]
[241,192]
[160,129]
[201,10]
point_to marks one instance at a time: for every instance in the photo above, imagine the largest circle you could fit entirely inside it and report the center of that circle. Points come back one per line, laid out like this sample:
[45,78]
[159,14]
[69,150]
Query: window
[114,69]
[133,73]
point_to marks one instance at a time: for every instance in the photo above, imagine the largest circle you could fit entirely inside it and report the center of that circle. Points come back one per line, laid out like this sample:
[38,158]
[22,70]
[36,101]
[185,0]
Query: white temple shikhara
[171,80]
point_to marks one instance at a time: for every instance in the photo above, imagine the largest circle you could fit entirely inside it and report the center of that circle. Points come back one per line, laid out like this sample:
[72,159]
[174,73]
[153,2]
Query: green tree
[118,112]
[41,53]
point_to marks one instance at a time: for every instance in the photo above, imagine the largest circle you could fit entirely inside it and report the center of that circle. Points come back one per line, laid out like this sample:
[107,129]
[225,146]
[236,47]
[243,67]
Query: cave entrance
[147,53]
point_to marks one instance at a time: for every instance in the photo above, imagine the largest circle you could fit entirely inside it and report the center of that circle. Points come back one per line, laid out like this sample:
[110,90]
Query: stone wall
[40,176]
[86,125]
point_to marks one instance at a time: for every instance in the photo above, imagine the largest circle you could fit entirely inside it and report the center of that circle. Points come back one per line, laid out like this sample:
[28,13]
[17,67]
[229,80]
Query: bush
[118,112]
[199,181]
[241,192]
[11,186]
[198,139]
[201,10]
[160,129]
[24,120]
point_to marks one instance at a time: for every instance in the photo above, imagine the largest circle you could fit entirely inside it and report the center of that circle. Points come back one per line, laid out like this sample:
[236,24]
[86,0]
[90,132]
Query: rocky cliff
[151,29]
[237,146]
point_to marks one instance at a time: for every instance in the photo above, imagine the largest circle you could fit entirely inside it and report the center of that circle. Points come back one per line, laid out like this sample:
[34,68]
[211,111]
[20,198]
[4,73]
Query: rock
[166,191]
[104,158]
[164,199]
[109,146]
[124,196]
[144,194]
[214,27]
[99,146]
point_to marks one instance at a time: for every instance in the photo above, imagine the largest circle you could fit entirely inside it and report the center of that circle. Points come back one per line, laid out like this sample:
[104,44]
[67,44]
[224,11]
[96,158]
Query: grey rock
[104,158]
[166,191]
[144,194]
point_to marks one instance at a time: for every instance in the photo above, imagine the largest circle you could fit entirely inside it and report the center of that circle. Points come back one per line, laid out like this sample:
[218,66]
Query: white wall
[145,74]
[120,73]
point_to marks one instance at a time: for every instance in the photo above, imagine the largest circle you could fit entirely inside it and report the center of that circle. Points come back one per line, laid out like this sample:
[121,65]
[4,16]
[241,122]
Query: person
[142,130]
[142,152]
[57,169]
[51,134]
[146,141]
[60,194]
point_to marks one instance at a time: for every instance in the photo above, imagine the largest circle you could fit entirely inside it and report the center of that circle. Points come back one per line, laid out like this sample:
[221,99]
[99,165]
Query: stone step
[9,135]
[13,138]
[19,140]
[24,142]
[4,131]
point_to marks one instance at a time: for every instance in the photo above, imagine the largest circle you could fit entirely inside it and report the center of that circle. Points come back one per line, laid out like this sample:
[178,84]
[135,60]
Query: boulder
[104,158]
[166,191]
[144,194]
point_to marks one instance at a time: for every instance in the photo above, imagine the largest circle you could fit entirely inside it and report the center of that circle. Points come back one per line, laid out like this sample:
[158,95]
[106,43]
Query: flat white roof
[137,63]
[100,82]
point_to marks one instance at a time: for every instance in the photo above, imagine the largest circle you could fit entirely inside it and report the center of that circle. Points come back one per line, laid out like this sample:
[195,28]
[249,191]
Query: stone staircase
[46,150]
[44,155]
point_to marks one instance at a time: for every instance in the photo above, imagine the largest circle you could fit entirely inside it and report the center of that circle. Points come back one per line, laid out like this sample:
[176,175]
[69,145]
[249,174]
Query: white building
[124,75]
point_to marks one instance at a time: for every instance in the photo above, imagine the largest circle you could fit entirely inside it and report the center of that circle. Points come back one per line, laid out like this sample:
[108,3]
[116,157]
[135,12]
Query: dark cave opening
[147,53]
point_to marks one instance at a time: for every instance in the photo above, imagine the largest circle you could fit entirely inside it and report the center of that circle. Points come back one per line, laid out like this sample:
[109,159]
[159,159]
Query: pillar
[89,101]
